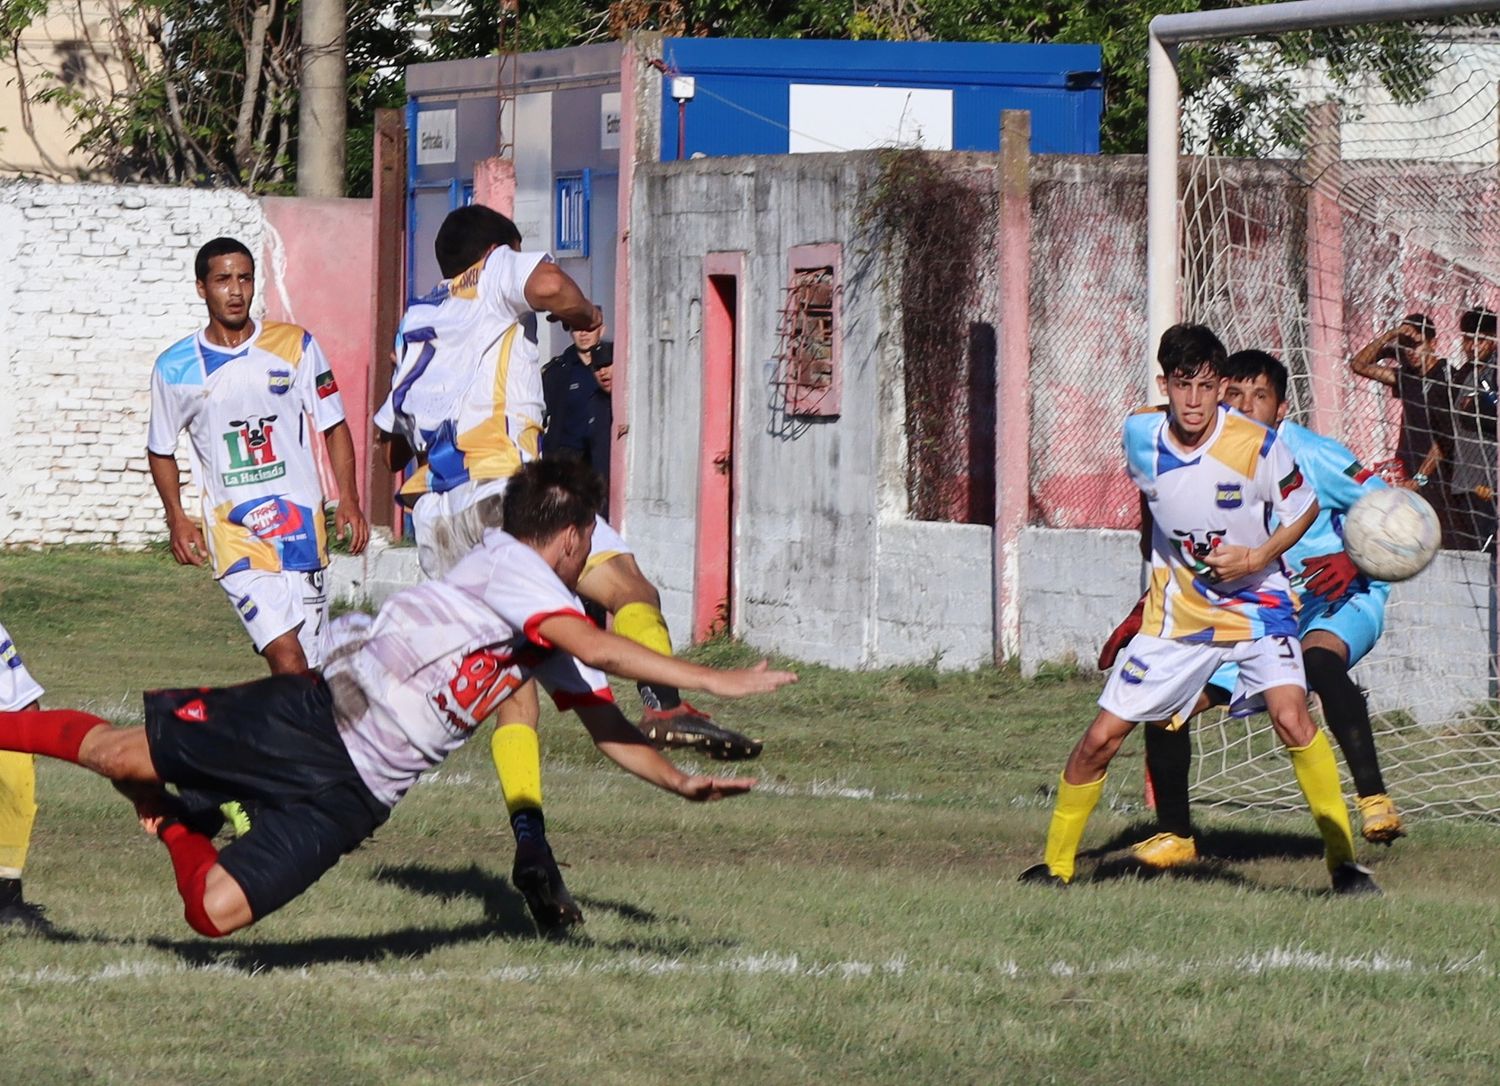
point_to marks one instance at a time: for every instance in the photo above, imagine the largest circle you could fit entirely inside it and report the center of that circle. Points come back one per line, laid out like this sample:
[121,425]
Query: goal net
[1334,185]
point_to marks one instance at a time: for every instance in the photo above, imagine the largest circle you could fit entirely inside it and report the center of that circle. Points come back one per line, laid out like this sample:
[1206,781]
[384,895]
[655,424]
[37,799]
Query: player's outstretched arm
[615,655]
[622,743]
[551,290]
[1231,563]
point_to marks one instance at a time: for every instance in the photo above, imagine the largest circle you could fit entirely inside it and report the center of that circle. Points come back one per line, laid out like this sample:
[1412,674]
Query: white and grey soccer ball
[1392,534]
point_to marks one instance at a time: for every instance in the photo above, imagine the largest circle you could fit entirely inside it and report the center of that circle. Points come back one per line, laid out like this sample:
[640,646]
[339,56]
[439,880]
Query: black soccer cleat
[1352,879]
[536,877]
[687,728]
[1041,875]
[23,916]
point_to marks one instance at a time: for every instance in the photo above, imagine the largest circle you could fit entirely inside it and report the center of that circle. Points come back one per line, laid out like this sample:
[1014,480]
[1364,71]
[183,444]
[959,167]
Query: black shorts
[272,744]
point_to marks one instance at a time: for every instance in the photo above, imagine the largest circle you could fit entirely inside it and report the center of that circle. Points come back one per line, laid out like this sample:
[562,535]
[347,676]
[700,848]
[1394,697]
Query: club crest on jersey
[8,655]
[252,451]
[279,382]
[1133,671]
[194,712]
[327,385]
[1229,495]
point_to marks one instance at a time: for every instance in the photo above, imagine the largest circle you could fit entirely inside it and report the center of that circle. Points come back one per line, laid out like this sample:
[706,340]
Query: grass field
[856,919]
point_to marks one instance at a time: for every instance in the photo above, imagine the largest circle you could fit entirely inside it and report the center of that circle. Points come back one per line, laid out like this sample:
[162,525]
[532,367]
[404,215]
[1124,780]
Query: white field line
[814,789]
[1284,960]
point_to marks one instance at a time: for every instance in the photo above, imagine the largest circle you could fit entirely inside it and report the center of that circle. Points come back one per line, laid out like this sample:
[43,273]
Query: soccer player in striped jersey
[1341,615]
[1212,480]
[325,758]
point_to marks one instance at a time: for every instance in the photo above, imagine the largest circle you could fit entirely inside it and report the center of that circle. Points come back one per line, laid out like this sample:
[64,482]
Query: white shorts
[451,524]
[1157,679]
[270,604]
[17,688]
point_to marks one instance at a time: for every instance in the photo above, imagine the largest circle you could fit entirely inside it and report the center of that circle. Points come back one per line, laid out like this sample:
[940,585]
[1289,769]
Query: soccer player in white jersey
[18,690]
[467,397]
[323,760]
[1212,480]
[250,394]
[1340,616]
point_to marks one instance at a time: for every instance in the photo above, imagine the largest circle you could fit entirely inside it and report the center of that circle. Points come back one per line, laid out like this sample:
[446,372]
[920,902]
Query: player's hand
[349,522]
[1329,575]
[1230,562]
[709,789]
[1122,634]
[189,547]
[745,681]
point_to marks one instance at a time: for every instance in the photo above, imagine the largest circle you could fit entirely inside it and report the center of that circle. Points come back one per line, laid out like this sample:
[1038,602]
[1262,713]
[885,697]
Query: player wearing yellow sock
[18,690]
[1213,481]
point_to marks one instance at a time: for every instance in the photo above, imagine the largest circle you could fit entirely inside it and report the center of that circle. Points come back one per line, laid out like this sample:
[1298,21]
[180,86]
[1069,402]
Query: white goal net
[1336,184]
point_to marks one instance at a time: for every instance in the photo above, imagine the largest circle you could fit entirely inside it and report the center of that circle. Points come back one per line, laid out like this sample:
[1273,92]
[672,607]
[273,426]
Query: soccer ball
[1391,534]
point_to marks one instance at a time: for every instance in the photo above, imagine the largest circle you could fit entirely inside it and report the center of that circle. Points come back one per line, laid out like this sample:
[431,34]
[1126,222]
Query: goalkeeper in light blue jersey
[1341,616]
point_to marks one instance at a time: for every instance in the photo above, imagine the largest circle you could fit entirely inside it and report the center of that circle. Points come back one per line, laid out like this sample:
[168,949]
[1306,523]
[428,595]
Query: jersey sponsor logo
[483,680]
[1198,545]
[279,382]
[1133,670]
[8,655]
[1229,495]
[327,385]
[1292,482]
[270,518]
[194,712]
[247,608]
[252,452]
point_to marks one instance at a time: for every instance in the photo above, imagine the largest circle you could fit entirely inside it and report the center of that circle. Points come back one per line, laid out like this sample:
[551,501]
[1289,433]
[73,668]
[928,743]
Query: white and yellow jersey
[250,412]
[467,390]
[1227,491]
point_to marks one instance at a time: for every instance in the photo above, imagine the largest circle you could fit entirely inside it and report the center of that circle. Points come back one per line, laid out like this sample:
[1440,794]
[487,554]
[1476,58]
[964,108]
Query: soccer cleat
[1165,850]
[536,877]
[238,818]
[1041,875]
[23,916]
[686,728]
[1380,822]
[1352,879]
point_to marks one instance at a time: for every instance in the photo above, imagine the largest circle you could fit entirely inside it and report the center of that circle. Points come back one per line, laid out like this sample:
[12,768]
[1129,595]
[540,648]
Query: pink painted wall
[318,270]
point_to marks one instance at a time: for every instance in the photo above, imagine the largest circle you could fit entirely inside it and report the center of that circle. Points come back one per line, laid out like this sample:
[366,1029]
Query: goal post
[1333,167]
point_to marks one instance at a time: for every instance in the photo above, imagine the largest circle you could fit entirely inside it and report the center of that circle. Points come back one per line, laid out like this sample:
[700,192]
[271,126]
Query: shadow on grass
[1216,850]
[505,916]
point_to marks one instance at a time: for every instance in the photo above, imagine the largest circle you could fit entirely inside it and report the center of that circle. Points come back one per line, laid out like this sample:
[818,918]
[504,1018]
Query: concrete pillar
[1013,379]
[495,186]
[1327,353]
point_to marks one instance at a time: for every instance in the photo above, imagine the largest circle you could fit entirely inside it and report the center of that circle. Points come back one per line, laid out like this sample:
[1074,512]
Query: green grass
[857,919]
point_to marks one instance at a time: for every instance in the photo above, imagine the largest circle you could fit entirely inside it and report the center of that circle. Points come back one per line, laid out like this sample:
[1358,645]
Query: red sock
[57,733]
[192,856]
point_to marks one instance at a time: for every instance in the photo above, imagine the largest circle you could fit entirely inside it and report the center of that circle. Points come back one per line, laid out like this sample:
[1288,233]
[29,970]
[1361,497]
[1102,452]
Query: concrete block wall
[934,594]
[98,279]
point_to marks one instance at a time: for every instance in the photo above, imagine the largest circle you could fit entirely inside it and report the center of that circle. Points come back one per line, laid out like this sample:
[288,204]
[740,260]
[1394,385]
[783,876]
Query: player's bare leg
[618,585]
[1318,777]
[1326,659]
[1078,792]
[284,654]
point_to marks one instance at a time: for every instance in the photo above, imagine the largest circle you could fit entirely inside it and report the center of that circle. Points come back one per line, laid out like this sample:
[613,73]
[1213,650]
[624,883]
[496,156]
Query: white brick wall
[98,279]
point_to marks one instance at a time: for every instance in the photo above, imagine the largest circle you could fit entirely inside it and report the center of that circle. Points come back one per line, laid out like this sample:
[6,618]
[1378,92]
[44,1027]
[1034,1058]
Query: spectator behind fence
[1422,382]
[1473,398]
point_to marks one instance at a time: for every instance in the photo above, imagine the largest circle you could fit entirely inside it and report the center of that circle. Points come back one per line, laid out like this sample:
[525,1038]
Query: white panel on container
[436,139]
[838,118]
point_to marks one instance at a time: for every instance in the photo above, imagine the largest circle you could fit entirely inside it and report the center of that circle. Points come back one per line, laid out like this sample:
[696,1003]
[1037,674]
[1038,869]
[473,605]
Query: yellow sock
[1075,802]
[644,625]
[17,810]
[1318,776]
[518,762]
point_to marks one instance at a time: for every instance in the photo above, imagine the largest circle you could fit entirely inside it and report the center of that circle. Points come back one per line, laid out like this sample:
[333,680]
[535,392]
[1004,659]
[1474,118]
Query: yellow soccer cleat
[1380,822]
[1165,850]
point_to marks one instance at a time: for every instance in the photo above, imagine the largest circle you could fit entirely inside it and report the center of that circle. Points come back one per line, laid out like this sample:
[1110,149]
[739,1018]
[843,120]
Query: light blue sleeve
[1337,476]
